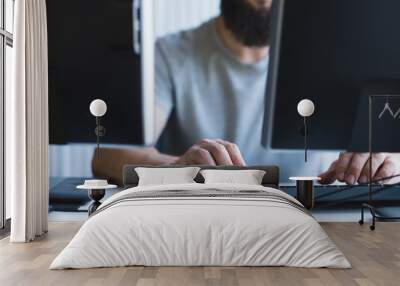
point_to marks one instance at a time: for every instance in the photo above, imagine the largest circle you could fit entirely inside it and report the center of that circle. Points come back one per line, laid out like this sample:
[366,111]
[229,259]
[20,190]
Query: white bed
[139,227]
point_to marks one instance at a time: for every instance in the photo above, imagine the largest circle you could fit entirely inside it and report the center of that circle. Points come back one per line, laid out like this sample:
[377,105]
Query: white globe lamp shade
[98,107]
[306,108]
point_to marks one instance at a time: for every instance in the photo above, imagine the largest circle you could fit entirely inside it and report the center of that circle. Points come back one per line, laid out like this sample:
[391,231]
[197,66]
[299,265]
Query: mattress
[201,225]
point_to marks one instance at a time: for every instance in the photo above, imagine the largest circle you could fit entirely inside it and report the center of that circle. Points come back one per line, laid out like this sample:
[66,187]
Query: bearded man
[210,90]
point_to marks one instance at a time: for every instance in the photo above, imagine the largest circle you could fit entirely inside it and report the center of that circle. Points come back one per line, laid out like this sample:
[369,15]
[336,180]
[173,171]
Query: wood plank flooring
[375,257]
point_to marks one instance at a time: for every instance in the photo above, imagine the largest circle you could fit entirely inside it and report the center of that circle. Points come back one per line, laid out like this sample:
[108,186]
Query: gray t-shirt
[208,93]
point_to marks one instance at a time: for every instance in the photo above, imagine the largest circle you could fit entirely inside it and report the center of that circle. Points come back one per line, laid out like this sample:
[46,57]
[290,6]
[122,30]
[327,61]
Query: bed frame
[271,177]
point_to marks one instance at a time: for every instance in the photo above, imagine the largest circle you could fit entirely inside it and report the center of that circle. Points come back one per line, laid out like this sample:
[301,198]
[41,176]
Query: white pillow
[247,177]
[166,176]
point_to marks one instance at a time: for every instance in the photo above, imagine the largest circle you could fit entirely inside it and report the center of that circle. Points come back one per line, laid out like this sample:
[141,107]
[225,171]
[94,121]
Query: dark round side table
[96,190]
[305,190]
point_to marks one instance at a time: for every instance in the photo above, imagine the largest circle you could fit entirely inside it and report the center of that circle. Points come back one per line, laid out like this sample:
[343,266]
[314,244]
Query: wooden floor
[375,257]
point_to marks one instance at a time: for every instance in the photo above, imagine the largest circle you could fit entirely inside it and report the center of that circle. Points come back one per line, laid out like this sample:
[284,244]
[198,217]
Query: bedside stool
[95,192]
[305,190]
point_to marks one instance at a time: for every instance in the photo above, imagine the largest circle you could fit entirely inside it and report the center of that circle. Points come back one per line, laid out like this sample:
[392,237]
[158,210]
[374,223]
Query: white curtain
[27,123]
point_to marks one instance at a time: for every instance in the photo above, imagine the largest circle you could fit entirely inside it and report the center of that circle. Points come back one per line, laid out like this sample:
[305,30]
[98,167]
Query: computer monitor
[336,53]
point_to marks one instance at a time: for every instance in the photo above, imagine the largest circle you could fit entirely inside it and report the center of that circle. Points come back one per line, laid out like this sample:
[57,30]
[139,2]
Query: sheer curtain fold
[27,122]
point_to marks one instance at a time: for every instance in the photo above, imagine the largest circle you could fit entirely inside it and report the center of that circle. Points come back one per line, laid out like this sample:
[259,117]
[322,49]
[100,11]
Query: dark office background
[91,56]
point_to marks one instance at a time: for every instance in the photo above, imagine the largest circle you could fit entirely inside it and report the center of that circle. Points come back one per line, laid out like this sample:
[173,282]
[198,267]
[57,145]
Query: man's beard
[250,25]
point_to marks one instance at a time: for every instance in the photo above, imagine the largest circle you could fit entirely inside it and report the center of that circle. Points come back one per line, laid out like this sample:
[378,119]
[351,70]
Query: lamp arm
[305,139]
[98,137]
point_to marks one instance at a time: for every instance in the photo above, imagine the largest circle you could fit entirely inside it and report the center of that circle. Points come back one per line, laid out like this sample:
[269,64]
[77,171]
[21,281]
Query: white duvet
[205,231]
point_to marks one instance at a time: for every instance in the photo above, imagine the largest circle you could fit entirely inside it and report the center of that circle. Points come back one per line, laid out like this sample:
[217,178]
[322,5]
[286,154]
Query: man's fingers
[234,152]
[213,152]
[377,160]
[199,156]
[217,151]
[357,163]
[329,176]
[342,165]
[387,169]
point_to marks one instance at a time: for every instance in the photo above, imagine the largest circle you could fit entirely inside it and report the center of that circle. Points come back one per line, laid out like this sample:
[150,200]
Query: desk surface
[64,197]
[342,196]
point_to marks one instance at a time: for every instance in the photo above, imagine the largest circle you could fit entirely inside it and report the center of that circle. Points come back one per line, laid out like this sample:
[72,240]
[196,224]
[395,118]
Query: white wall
[72,160]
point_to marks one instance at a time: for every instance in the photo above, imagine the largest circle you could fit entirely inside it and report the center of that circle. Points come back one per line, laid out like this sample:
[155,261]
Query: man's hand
[354,167]
[212,152]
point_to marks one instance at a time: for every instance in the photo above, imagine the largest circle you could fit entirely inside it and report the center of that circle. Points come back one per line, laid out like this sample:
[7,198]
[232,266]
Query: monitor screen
[336,53]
